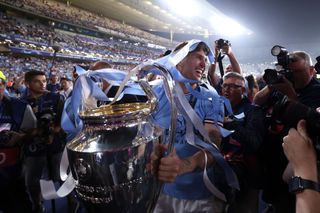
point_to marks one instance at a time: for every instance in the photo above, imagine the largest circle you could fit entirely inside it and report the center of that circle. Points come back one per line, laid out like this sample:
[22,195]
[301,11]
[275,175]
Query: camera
[284,111]
[272,76]
[283,56]
[221,42]
[317,65]
[290,113]
[46,121]
[5,137]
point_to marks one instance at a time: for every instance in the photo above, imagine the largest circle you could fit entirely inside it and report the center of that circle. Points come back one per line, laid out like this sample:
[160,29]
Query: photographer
[301,154]
[240,148]
[298,85]
[44,147]
[222,48]
[16,118]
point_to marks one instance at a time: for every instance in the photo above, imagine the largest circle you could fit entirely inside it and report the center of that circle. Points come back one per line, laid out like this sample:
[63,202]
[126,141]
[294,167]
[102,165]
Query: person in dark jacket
[241,148]
[45,144]
[302,87]
[16,119]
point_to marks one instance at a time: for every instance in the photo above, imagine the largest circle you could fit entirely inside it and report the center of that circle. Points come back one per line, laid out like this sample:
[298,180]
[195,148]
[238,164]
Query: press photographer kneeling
[286,98]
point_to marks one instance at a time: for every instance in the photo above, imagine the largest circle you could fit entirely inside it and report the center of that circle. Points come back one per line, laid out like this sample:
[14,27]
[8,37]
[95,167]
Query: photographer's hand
[300,152]
[216,52]
[262,96]
[286,88]
[212,75]
[15,138]
[226,49]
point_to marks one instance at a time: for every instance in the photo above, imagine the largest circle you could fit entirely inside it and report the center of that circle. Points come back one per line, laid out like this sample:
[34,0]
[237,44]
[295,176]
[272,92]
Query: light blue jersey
[190,185]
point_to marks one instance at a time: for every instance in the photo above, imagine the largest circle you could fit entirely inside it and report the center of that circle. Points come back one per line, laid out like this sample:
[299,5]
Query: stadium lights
[186,8]
[227,26]
[148,2]
[205,14]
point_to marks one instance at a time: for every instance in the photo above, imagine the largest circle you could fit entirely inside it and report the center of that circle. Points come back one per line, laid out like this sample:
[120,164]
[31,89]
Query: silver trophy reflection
[109,159]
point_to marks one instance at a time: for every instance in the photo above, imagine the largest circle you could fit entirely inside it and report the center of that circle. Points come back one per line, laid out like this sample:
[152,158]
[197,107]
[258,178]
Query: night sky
[288,21]
[294,24]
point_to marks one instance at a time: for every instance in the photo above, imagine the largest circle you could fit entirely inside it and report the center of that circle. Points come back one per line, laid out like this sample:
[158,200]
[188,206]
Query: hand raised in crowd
[11,138]
[15,138]
[226,49]
[216,51]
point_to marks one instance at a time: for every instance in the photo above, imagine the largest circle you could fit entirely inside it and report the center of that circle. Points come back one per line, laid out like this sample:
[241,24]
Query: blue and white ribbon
[86,87]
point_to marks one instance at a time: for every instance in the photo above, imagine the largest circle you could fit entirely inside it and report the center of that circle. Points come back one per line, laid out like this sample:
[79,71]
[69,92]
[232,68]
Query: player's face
[193,65]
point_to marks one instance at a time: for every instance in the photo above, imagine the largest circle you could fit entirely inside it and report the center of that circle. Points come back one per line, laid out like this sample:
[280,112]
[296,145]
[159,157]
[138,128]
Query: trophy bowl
[109,159]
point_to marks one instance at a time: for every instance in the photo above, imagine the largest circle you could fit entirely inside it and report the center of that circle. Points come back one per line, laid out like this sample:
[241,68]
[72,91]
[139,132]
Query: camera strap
[220,57]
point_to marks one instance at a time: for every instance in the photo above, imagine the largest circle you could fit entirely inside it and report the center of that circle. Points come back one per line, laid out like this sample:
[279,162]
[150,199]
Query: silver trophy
[110,158]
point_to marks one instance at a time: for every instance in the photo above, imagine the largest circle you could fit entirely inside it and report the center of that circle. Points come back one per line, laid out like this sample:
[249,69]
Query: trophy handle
[152,99]
[169,84]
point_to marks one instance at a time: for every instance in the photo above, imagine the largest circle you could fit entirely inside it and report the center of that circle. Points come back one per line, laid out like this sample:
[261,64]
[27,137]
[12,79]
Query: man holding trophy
[182,169]
[120,143]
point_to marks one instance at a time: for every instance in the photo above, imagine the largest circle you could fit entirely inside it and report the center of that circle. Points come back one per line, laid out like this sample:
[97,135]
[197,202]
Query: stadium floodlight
[227,26]
[201,12]
[184,8]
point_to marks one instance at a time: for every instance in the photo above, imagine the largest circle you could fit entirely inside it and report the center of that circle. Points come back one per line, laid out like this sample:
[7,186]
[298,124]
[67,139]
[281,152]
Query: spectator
[214,79]
[66,86]
[241,148]
[16,118]
[46,143]
[53,85]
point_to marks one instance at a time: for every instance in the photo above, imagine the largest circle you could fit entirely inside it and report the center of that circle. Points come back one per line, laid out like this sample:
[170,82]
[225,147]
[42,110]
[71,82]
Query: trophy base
[131,199]
[115,180]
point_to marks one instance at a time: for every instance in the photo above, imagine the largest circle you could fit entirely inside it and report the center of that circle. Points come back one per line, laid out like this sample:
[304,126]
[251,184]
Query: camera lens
[276,50]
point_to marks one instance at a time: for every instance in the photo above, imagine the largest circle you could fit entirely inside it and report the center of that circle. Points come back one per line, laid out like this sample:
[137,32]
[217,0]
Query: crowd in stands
[33,35]
[14,66]
[64,12]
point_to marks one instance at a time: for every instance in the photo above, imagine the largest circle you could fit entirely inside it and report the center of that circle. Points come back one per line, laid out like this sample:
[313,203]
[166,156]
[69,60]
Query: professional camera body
[291,112]
[5,133]
[222,42]
[317,66]
[46,122]
[273,76]
[287,112]
[4,137]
